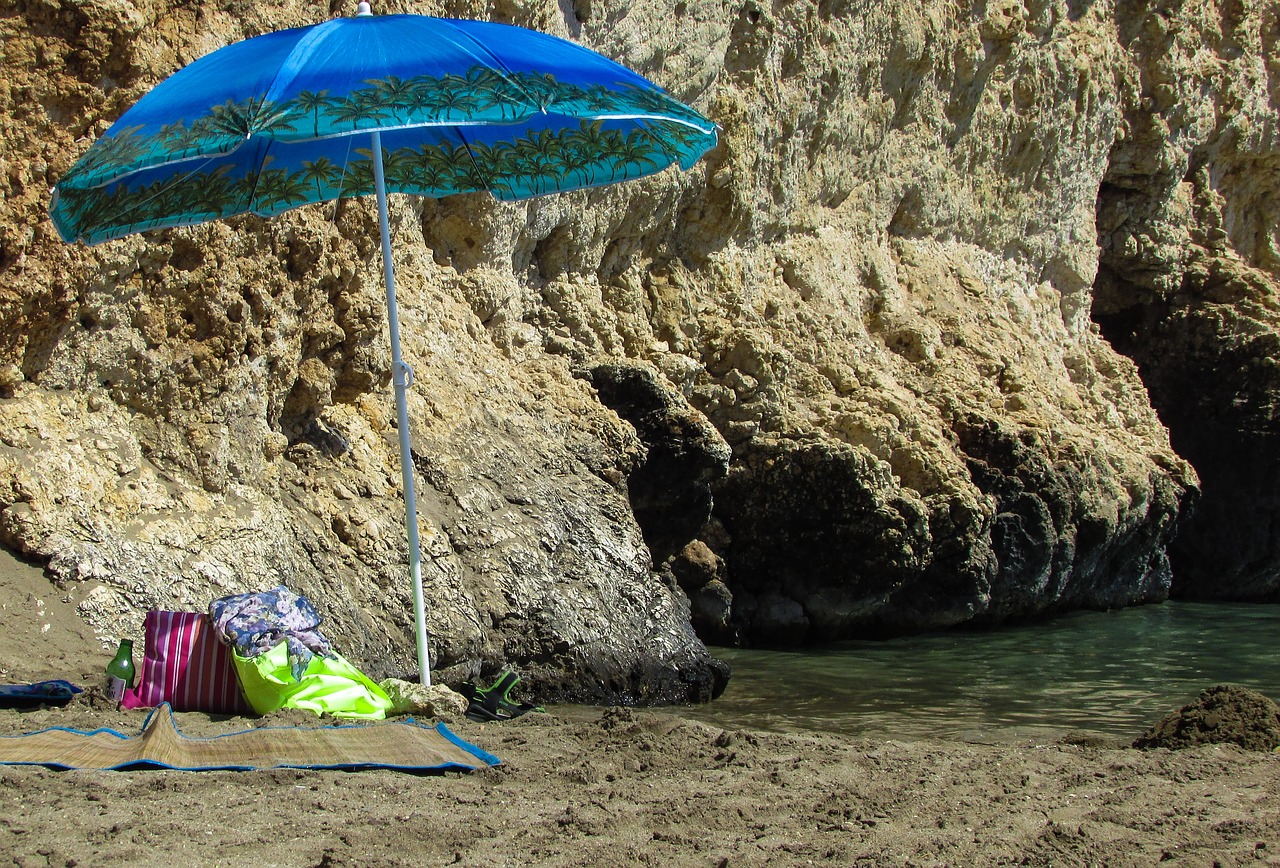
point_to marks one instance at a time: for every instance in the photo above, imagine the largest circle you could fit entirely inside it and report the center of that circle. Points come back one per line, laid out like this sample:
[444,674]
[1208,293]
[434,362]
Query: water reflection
[1112,673]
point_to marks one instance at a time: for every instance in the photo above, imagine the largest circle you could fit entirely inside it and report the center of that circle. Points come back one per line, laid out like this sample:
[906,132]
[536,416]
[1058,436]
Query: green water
[1107,673]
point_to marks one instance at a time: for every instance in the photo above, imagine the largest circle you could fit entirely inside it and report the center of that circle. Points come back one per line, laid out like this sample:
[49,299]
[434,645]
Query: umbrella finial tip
[364,8]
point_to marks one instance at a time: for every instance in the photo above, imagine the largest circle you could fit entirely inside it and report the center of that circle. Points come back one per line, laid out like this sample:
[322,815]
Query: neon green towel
[328,685]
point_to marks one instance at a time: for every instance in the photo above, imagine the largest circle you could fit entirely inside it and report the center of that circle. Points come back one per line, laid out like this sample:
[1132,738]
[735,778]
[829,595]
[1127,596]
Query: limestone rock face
[840,378]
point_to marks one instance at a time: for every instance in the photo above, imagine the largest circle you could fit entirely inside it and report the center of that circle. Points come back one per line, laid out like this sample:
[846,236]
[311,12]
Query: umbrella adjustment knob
[402,374]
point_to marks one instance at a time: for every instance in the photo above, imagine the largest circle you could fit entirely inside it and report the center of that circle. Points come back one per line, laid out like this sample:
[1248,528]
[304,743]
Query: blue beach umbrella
[371,104]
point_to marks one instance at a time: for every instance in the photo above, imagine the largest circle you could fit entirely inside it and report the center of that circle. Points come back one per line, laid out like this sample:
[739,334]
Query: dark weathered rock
[818,542]
[696,566]
[1053,546]
[1208,356]
[711,611]
[670,490]
[823,545]
[702,575]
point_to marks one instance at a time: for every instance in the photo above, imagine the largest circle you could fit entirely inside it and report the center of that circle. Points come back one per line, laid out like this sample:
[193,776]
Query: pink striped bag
[186,666]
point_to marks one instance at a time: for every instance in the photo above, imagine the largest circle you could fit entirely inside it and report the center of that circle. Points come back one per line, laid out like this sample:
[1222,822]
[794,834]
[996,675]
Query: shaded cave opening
[1178,301]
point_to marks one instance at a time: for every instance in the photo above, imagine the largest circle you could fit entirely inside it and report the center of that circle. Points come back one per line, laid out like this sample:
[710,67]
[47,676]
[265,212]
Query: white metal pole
[402,377]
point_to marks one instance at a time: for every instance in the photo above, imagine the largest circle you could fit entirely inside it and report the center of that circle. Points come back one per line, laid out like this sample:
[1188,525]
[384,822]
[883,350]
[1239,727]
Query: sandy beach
[580,787]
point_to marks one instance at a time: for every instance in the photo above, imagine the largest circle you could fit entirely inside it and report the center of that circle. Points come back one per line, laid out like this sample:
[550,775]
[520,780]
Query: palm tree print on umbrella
[540,162]
[417,101]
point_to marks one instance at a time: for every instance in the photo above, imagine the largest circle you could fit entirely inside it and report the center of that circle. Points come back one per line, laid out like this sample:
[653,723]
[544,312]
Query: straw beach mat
[403,745]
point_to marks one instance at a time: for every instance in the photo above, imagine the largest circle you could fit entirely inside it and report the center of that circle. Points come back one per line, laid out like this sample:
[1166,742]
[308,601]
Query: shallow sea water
[1111,674]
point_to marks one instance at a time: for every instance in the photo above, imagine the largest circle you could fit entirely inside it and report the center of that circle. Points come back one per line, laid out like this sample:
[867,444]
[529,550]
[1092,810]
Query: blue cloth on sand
[56,692]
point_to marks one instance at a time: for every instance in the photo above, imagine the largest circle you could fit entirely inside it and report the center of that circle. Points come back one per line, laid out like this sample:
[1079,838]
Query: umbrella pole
[402,377]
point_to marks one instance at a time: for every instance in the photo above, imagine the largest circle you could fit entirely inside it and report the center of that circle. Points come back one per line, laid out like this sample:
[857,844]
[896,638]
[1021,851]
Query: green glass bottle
[120,670]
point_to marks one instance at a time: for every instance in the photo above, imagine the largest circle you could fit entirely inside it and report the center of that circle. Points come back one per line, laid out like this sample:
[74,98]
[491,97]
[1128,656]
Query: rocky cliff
[900,353]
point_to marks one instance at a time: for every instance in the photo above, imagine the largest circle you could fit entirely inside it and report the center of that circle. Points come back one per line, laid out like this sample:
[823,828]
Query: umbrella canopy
[370,104]
[284,119]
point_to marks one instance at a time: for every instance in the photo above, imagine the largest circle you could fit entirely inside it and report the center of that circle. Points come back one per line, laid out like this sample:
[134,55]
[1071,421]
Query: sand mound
[1223,714]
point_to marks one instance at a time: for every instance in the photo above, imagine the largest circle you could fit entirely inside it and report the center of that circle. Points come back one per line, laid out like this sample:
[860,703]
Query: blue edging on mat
[477,752]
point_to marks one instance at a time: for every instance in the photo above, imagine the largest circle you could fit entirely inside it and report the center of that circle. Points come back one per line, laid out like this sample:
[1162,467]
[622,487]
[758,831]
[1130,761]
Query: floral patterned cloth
[255,623]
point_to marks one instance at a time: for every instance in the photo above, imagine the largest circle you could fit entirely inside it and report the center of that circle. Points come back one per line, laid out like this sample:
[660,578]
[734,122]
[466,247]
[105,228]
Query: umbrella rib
[496,61]
[297,58]
[257,179]
[475,164]
[342,179]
